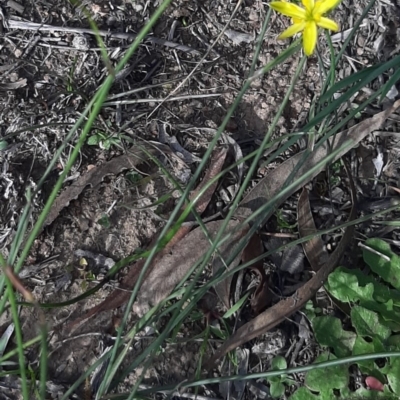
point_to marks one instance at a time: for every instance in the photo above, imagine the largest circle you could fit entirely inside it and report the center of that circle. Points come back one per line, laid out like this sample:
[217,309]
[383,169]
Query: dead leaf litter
[51,66]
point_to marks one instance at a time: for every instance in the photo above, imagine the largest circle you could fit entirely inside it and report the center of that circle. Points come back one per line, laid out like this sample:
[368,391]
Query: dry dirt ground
[47,79]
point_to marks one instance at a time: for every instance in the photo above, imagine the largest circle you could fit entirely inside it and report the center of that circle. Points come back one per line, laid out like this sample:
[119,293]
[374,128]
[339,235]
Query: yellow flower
[307,19]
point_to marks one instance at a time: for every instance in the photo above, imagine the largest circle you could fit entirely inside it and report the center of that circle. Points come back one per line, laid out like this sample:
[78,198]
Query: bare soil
[57,72]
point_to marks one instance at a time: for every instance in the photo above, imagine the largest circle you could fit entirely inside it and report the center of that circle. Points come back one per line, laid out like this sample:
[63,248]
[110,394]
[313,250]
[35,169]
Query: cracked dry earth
[48,78]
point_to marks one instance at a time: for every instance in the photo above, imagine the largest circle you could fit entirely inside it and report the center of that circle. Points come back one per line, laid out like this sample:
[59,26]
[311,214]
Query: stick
[33,26]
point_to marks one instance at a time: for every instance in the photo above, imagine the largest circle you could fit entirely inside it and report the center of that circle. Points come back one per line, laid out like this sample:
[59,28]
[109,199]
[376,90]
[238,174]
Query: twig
[33,26]
[370,249]
[178,393]
[155,100]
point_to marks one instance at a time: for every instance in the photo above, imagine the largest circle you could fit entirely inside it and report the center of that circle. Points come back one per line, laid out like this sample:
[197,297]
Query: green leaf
[392,324]
[382,293]
[277,389]
[359,81]
[345,287]
[3,144]
[93,140]
[365,394]
[310,311]
[329,332]
[393,375]
[390,315]
[288,381]
[219,333]
[278,362]
[134,177]
[281,221]
[325,380]
[107,144]
[367,323]
[349,80]
[368,367]
[394,343]
[353,285]
[363,347]
[389,271]
[236,306]
[104,221]
[303,394]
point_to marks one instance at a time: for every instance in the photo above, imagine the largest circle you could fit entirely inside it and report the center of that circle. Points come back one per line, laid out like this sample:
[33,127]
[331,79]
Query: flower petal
[308,4]
[323,6]
[289,9]
[292,30]
[328,23]
[310,37]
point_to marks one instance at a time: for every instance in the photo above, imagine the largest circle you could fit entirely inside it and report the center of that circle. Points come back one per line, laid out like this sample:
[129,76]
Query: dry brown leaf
[172,268]
[17,284]
[216,163]
[171,265]
[261,298]
[268,187]
[314,248]
[271,185]
[95,176]
[282,310]
[120,297]
[223,288]
[252,250]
